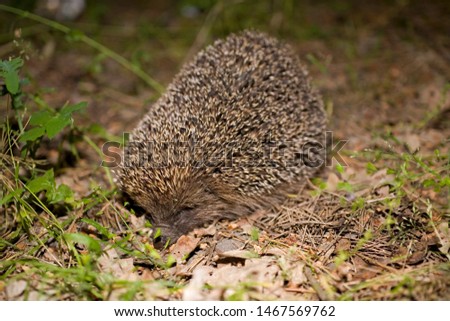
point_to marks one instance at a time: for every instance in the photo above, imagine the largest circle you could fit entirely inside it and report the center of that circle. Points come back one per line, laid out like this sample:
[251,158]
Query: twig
[315,285]
[78,35]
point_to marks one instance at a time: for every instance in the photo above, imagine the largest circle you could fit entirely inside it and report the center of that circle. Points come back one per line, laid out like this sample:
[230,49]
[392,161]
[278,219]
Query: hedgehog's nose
[161,242]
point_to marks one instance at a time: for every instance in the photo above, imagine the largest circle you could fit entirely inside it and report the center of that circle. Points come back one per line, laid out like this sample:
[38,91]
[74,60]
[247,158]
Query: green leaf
[371,168]
[45,182]
[445,182]
[50,124]
[40,118]
[319,183]
[54,194]
[69,109]
[40,102]
[14,194]
[56,125]
[62,194]
[9,71]
[340,168]
[12,82]
[102,230]
[92,244]
[358,203]
[32,134]
[157,233]
[254,234]
[171,260]
[429,182]
[345,186]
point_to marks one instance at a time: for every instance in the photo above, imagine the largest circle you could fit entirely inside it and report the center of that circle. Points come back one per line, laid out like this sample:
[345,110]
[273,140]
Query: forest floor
[373,225]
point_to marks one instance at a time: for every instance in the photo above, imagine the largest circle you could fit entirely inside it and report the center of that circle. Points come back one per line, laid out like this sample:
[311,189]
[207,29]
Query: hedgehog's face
[203,206]
[175,200]
[178,223]
[179,215]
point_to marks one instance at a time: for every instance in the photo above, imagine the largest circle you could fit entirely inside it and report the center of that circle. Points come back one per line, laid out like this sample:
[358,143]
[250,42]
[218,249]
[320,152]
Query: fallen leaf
[343,245]
[444,235]
[225,245]
[413,141]
[137,223]
[367,273]
[110,262]
[293,271]
[184,246]
[261,273]
[239,254]
[275,251]
[332,182]
[194,291]
[383,191]
[15,289]
[345,270]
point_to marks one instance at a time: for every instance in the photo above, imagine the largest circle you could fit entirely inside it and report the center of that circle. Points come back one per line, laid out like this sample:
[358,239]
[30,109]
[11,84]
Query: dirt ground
[373,227]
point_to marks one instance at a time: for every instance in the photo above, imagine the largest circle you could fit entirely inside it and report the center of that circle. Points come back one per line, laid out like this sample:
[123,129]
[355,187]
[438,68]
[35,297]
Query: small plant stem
[100,153]
[90,42]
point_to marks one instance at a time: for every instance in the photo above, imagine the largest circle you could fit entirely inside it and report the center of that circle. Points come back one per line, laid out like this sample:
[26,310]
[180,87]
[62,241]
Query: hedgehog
[239,128]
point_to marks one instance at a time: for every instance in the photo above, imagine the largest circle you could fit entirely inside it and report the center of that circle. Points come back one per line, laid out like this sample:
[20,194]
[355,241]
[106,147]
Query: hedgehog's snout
[166,237]
[161,241]
[176,225]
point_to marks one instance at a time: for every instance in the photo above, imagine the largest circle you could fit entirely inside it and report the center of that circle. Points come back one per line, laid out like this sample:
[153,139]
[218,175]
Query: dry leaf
[194,291]
[15,288]
[332,182]
[109,262]
[184,246]
[239,254]
[137,223]
[343,245]
[444,235]
[261,273]
[225,245]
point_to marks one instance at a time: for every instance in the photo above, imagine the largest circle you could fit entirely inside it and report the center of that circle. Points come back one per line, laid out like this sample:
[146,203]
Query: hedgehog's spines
[228,136]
